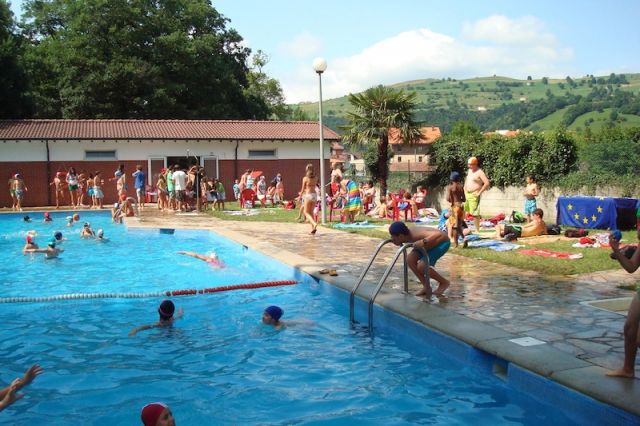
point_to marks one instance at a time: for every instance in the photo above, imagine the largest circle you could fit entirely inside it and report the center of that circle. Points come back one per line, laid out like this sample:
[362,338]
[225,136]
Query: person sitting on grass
[432,241]
[632,323]
[532,229]
[8,394]
[166,310]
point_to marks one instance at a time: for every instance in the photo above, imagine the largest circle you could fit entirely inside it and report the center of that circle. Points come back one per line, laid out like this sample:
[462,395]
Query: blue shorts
[435,253]
[530,206]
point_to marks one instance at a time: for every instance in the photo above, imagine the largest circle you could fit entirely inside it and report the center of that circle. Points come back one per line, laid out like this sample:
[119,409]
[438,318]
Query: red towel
[550,253]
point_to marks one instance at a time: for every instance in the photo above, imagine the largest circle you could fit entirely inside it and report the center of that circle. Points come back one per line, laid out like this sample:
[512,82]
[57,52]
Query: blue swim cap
[398,228]
[274,312]
[58,235]
[454,177]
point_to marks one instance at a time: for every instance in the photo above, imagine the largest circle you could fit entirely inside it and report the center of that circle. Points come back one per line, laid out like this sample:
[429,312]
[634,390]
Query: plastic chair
[247,196]
[408,211]
[151,195]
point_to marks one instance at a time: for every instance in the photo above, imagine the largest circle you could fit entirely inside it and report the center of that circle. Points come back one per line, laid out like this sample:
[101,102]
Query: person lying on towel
[532,229]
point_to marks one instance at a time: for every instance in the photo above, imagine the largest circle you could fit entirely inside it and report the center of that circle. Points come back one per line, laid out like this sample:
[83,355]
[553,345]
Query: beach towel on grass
[363,224]
[494,245]
[551,253]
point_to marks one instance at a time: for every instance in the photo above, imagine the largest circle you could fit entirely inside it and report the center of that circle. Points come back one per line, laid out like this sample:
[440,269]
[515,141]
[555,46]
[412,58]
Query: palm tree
[376,111]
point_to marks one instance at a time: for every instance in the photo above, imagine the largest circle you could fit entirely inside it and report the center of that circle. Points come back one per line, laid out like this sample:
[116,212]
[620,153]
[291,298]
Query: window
[262,153]
[399,159]
[420,159]
[100,155]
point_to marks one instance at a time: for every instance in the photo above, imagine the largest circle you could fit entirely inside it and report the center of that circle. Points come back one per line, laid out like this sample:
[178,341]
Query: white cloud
[303,45]
[495,45]
[525,31]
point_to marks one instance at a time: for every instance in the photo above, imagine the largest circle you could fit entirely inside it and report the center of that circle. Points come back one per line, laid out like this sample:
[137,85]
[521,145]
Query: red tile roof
[163,129]
[429,135]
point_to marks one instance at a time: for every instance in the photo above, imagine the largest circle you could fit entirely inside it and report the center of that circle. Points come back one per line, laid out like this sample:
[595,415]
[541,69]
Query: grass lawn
[595,259]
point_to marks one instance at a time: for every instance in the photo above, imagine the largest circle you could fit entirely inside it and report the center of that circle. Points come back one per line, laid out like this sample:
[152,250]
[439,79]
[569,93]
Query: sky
[366,43]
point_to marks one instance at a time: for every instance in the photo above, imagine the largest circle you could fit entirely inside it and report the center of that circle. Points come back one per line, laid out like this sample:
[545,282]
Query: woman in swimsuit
[309,196]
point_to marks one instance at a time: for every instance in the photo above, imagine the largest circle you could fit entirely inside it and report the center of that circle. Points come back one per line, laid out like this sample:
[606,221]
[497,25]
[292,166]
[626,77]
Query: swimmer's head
[26,218]
[272,314]
[70,219]
[399,233]
[87,225]
[156,413]
[30,239]
[166,309]
[100,233]
[52,243]
[47,215]
[57,235]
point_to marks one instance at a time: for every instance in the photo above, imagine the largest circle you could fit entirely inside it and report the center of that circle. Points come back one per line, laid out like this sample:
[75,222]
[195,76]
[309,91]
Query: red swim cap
[151,413]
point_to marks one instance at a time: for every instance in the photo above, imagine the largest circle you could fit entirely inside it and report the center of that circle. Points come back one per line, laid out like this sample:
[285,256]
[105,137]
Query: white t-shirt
[180,180]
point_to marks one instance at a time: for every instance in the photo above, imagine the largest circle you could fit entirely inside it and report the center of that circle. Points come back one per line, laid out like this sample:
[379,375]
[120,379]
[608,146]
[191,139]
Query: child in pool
[51,252]
[30,243]
[166,310]
[157,414]
[8,394]
[212,258]
[272,315]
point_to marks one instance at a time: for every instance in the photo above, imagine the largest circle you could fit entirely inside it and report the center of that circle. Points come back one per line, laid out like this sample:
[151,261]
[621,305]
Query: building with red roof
[413,157]
[38,149]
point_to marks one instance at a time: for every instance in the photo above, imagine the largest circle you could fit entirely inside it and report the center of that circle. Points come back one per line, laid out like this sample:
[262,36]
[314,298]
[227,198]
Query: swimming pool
[219,365]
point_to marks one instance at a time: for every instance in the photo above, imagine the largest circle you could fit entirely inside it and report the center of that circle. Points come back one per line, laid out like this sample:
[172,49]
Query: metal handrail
[402,250]
[364,272]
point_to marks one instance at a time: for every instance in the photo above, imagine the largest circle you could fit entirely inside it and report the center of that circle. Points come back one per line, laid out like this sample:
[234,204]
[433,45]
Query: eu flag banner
[587,212]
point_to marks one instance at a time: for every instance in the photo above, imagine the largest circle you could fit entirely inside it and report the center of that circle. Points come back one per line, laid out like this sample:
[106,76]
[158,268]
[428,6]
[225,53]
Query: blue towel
[494,245]
[364,224]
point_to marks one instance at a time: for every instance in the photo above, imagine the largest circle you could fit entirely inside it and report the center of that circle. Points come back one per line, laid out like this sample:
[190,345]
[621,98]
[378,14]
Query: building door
[154,165]
[210,165]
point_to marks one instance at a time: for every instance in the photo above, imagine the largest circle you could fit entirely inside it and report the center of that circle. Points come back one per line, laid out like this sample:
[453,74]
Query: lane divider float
[168,293]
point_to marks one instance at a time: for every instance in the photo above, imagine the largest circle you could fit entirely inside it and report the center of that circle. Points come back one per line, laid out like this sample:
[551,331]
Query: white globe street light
[320,66]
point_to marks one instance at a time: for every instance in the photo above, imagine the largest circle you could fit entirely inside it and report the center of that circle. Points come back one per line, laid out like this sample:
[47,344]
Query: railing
[401,251]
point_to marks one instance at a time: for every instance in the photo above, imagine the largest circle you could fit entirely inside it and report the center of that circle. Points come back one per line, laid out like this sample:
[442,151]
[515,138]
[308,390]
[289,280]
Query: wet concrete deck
[488,304]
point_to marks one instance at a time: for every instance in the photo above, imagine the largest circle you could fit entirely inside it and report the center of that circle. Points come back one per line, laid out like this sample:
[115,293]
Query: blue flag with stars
[587,212]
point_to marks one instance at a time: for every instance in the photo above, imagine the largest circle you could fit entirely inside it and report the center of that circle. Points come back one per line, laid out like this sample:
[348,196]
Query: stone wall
[505,200]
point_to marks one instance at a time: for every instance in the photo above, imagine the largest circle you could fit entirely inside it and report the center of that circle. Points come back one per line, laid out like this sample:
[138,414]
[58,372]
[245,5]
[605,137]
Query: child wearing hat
[157,414]
[272,315]
[50,252]
[166,310]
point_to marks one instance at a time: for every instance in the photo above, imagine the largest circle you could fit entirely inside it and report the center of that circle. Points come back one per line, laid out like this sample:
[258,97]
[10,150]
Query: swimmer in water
[211,258]
[69,220]
[51,252]
[30,242]
[157,414]
[87,231]
[272,315]
[166,310]
[26,218]
[59,237]
[100,236]
[47,217]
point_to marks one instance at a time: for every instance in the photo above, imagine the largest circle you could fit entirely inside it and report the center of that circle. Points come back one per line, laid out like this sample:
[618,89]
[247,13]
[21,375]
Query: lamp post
[320,65]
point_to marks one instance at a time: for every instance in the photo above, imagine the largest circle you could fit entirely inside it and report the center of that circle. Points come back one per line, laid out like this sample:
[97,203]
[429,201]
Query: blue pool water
[218,365]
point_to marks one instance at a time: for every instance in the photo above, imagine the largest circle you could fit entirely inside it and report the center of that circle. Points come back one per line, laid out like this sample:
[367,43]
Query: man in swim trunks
[434,242]
[632,323]
[474,185]
[18,187]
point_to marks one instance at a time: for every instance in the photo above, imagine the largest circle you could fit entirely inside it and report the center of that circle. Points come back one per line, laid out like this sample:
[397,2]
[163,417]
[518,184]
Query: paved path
[520,302]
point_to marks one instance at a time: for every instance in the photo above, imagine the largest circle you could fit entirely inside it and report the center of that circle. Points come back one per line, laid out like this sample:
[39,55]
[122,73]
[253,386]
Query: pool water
[219,364]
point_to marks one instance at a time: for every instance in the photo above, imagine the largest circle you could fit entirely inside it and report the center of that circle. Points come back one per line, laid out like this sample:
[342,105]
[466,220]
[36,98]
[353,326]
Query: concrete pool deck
[488,306]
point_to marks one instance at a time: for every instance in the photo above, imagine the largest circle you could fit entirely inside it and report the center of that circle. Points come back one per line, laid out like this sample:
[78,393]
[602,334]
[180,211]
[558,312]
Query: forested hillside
[580,104]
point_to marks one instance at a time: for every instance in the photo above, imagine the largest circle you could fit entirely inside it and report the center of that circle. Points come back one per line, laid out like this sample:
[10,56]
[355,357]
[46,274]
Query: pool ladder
[401,251]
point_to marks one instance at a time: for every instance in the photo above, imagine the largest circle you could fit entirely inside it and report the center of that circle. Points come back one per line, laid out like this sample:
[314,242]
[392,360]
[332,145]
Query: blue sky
[372,42]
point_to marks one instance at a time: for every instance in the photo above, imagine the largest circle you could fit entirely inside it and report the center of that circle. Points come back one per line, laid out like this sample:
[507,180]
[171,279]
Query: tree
[265,91]
[137,59]
[12,79]
[376,111]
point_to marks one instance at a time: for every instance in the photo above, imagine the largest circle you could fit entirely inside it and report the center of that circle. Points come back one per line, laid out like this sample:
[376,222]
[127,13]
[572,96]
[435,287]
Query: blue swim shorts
[530,206]
[435,253]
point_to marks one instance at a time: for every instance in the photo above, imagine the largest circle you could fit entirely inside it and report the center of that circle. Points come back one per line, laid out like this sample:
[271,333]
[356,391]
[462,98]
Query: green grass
[595,259]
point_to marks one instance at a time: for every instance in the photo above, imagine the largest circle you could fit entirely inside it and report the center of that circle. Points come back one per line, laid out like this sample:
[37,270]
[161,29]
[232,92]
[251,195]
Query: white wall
[74,150]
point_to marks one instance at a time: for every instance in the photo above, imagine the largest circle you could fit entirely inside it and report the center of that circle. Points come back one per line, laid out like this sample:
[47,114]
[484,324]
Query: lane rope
[168,293]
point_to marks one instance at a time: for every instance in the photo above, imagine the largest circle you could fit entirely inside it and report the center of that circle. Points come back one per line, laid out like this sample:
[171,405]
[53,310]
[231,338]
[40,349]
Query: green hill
[501,102]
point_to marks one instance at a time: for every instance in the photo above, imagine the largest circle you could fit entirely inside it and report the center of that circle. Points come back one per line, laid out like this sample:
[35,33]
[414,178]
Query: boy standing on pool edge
[434,242]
